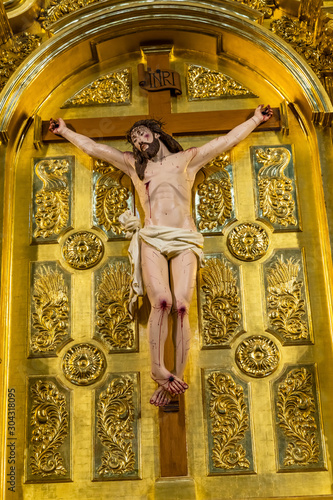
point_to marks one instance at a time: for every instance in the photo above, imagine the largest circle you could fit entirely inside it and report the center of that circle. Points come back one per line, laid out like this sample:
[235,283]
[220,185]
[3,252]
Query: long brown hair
[155,126]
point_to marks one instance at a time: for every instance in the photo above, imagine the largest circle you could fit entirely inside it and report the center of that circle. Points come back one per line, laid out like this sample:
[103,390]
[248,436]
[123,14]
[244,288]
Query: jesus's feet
[171,383]
[161,397]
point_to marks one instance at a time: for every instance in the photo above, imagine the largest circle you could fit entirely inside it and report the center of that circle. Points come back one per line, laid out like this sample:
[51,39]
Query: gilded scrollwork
[83,250]
[12,56]
[214,203]
[297,414]
[60,8]
[310,36]
[276,190]
[286,305]
[111,198]
[221,310]
[83,364]
[116,429]
[204,83]
[228,424]
[248,241]
[114,324]
[257,356]
[113,88]
[50,310]
[52,202]
[49,426]
[267,7]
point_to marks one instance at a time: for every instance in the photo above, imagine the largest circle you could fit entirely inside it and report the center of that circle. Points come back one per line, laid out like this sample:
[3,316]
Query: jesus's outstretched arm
[211,149]
[92,148]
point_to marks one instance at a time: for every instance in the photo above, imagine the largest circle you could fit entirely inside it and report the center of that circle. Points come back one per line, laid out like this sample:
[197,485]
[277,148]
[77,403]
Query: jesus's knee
[182,308]
[162,303]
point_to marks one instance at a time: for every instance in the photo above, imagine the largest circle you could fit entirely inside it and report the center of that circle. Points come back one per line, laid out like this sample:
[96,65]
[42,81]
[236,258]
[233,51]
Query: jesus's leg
[155,275]
[183,277]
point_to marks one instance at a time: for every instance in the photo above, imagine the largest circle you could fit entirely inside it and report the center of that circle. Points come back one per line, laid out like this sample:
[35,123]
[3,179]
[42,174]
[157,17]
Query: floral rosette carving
[49,423]
[83,250]
[50,318]
[115,419]
[285,304]
[275,189]
[221,310]
[52,201]
[296,413]
[229,422]
[248,241]
[83,364]
[114,322]
[257,356]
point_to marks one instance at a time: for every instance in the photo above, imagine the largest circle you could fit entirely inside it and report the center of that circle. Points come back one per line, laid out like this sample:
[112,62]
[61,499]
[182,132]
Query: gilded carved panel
[220,307]
[49,443]
[205,83]
[112,88]
[228,424]
[110,199]
[117,428]
[214,197]
[52,197]
[287,302]
[50,306]
[298,420]
[114,326]
[276,198]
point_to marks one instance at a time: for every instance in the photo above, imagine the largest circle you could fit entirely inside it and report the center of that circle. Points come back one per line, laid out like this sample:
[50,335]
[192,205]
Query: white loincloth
[169,241]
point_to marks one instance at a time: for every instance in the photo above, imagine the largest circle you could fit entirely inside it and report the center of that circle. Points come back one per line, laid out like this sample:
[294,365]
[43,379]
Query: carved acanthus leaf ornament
[60,8]
[285,304]
[114,323]
[230,421]
[275,189]
[296,414]
[111,197]
[49,423]
[204,83]
[115,416]
[221,310]
[50,316]
[52,201]
[215,198]
[113,88]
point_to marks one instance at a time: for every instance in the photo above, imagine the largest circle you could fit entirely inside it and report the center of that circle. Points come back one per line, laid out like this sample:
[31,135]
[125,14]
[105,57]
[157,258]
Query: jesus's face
[145,141]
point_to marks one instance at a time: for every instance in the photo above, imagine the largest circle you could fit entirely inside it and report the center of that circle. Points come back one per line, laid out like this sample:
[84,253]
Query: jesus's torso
[165,191]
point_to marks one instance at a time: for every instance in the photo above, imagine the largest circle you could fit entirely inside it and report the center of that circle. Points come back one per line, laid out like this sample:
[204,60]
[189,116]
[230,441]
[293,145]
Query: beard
[152,150]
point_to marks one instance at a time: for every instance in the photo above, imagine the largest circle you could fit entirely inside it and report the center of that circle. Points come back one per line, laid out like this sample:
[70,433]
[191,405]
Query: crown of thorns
[153,125]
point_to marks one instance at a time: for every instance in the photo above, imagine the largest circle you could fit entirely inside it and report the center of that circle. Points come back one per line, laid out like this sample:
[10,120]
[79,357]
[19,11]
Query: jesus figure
[163,176]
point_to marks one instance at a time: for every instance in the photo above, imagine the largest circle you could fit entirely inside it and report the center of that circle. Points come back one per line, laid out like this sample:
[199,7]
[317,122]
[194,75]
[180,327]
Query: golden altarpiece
[256,421]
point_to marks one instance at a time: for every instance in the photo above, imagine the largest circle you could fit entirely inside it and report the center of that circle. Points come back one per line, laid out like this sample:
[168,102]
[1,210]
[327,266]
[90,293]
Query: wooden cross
[173,453]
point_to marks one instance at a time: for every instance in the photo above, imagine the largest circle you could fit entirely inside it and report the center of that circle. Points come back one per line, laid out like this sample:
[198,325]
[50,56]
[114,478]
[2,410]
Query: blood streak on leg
[163,308]
[181,314]
[147,192]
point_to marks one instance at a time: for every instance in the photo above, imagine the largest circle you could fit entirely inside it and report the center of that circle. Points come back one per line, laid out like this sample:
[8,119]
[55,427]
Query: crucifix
[160,82]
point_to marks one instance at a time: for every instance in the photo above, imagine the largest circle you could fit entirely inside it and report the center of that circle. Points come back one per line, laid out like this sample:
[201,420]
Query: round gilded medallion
[83,364]
[257,356]
[83,250]
[248,241]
